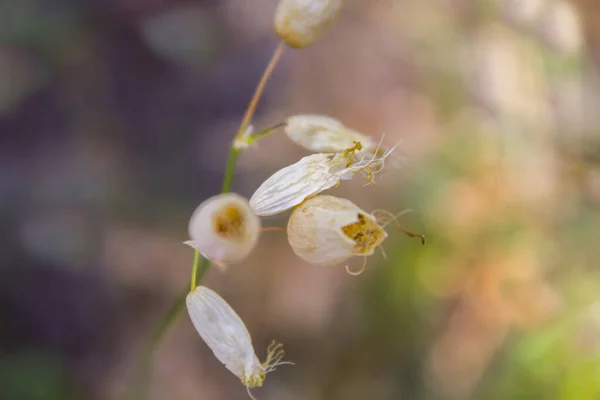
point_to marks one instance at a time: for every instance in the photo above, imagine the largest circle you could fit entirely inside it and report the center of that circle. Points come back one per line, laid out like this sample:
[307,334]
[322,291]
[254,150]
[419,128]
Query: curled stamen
[360,271]
[387,216]
[371,163]
[275,353]
[394,218]
[357,146]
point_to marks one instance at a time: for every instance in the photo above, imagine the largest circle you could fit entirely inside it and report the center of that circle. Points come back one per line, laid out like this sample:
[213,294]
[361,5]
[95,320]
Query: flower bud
[224,229]
[323,134]
[327,230]
[226,335]
[313,174]
[301,22]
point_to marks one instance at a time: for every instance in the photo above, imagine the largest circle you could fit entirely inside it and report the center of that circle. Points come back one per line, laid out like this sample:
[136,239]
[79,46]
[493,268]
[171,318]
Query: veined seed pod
[324,134]
[313,174]
[226,335]
[301,22]
[327,230]
[224,229]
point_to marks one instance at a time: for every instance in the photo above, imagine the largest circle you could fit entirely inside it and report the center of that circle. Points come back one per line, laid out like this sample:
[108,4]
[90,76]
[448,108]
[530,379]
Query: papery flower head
[313,174]
[226,335]
[328,230]
[323,134]
[224,229]
[300,22]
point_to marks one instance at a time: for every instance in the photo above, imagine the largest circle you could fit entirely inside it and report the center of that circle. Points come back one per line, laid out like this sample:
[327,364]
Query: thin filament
[360,271]
[390,217]
[274,366]
[275,353]
[383,253]
[372,163]
[250,394]
[394,218]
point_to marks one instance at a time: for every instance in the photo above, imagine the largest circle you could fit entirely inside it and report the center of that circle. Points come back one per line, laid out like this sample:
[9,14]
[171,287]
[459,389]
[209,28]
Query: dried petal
[226,335]
[308,177]
[289,186]
[323,134]
[327,230]
[300,22]
[224,228]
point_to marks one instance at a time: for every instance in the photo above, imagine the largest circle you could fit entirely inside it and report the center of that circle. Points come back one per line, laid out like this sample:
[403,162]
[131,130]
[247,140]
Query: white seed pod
[324,134]
[328,230]
[226,335]
[224,229]
[300,22]
[313,174]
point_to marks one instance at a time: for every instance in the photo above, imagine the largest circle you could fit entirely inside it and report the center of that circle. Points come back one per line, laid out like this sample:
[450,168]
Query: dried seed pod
[327,230]
[324,134]
[226,335]
[224,228]
[301,22]
[313,174]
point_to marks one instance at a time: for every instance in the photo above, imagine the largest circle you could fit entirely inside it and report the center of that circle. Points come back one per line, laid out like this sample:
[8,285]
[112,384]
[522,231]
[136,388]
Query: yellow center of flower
[365,233]
[229,222]
[348,154]
[255,380]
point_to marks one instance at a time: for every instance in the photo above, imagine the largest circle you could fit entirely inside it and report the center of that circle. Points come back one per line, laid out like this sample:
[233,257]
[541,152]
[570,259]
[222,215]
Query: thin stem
[229,170]
[199,269]
[194,270]
[256,137]
[260,88]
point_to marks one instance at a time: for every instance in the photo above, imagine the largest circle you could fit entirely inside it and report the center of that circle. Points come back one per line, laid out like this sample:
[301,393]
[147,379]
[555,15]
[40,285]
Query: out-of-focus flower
[313,174]
[226,335]
[224,229]
[506,76]
[523,12]
[324,134]
[301,22]
[559,26]
[327,230]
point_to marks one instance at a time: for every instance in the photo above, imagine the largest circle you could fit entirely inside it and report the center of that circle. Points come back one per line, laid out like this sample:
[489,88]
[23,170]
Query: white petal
[315,230]
[212,240]
[300,22]
[223,331]
[323,134]
[291,185]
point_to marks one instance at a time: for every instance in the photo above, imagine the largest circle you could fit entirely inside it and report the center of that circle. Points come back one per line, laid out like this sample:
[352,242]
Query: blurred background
[115,122]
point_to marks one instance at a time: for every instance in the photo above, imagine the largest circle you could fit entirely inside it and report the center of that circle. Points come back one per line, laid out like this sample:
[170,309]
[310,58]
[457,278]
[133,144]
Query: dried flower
[327,230]
[226,335]
[324,134]
[301,22]
[224,229]
[313,174]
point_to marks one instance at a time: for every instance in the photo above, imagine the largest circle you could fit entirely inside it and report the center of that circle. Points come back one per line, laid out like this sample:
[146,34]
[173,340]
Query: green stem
[229,170]
[142,371]
[195,270]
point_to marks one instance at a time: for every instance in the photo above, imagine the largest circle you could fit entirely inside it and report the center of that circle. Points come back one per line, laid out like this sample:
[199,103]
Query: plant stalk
[143,371]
